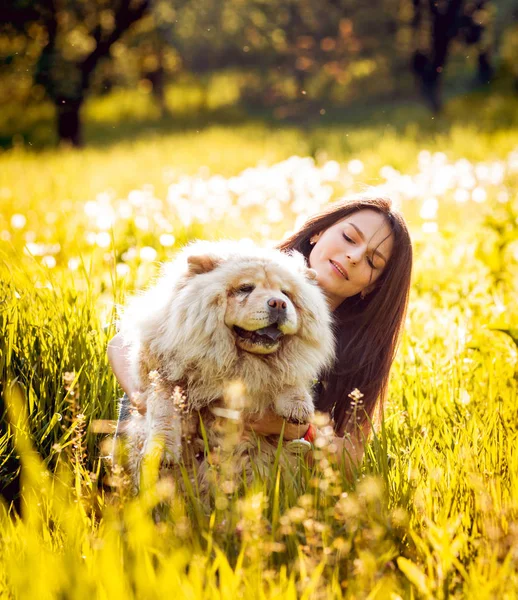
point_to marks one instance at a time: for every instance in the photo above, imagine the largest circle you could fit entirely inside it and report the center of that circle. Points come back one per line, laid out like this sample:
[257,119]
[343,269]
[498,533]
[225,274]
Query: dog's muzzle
[266,335]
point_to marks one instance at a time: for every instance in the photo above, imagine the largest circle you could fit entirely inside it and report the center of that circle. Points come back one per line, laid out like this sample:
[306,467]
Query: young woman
[362,253]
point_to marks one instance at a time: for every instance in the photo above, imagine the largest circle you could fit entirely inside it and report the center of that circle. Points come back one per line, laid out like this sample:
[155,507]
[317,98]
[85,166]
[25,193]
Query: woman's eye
[247,288]
[347,238]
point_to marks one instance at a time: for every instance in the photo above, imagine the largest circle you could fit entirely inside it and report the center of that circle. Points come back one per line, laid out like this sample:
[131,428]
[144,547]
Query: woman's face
[351,255]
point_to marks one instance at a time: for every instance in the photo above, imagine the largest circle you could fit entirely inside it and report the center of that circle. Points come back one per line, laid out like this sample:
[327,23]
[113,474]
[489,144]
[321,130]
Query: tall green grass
[431,512]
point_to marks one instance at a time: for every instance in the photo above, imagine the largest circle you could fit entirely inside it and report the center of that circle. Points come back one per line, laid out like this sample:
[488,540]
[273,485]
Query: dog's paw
[296,406]
[171,455]
[163,450]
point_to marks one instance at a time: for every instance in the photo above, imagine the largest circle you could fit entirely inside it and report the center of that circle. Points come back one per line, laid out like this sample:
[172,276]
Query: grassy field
[432,513]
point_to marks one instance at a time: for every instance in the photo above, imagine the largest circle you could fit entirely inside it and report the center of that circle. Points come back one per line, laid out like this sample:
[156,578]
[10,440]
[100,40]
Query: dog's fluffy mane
[179,324]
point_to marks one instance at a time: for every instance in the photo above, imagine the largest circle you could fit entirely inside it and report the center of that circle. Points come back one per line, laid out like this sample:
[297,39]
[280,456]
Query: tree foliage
[294,51]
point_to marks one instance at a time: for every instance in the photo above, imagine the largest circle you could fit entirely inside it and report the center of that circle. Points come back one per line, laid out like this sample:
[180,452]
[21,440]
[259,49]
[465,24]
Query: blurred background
[94,71]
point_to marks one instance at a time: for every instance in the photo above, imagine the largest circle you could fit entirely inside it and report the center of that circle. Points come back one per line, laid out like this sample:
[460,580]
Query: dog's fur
[181,334]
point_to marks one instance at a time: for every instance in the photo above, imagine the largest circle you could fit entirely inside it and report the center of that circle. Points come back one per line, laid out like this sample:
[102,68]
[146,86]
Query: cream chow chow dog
[222,314]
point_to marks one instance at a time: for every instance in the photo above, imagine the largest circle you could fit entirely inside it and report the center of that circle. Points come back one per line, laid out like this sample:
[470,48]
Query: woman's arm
[271,424]
[119,361]
[351,449]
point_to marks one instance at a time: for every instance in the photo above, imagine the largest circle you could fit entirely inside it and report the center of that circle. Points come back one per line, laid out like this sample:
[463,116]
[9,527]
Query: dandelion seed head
[103,239]
[429,208]
[479,194]
[130,254]
[461,195]
[142,222]
[48,261]
[503,196]
[355,167]
[330,171]
[105,221]
[122,269]
[430,227]
[167,240]
[18,221]
[147,253]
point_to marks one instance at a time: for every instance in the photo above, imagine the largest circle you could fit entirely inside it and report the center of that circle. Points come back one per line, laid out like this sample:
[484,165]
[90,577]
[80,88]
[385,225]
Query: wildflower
[355,167]
[48,261]
[370,489]
[142,222]
[103,239]
[479,194]
[68,379]
[461,195]
[122,269]
[429,209]
[356,395]
[148,253]
[73,264]
[167,240]
[331,170]
[18,221]
[430,227]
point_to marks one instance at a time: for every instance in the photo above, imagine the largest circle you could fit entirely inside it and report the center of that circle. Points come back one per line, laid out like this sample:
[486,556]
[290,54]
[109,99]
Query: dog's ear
[311,274]
[202,263]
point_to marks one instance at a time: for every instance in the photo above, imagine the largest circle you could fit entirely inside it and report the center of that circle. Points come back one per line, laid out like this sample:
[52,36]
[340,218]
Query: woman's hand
[271,424]
[120,364]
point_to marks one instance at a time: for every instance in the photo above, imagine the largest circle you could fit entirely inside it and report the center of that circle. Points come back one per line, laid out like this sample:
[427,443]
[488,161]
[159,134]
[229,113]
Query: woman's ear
[314,238]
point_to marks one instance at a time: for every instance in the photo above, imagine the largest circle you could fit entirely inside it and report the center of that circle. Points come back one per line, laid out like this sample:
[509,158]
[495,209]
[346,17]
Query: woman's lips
[339,269]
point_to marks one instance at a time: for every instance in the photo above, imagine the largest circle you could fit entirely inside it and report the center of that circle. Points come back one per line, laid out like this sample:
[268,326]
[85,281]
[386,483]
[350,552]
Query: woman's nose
[355,255]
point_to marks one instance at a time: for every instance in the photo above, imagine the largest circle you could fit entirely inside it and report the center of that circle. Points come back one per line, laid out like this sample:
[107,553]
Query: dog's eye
[246,288]
[286,293]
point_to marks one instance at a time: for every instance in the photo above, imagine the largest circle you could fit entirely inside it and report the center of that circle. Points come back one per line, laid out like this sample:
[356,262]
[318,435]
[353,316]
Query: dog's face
[260,310]
[261,302]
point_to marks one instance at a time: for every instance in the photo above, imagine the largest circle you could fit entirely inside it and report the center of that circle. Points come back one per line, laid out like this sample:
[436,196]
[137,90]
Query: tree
[436,24]
[74,35]
[443,17]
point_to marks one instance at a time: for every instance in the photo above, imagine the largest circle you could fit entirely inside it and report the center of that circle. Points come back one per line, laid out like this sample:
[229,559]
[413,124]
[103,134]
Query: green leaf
[414,574]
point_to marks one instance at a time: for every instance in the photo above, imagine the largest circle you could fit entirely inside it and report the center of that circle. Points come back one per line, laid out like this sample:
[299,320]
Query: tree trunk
[69,121]
[429,68]
[485,69]
[158,79]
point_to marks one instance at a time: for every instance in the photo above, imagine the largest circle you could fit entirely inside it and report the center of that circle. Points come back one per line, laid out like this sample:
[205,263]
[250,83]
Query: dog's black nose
[277,307]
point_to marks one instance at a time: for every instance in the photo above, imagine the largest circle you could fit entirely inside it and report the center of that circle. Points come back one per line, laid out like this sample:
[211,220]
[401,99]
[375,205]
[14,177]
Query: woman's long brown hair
[367,330]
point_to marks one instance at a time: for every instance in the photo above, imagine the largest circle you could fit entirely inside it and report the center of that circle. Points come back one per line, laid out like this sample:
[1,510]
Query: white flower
[461,195]
[103,239]
[48,261]
[122,269]
[355,166]
[167,240]
[331,171]
[73,264]
[479,194]
[430,227]
[18,221]
[429,208]
[148,253]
